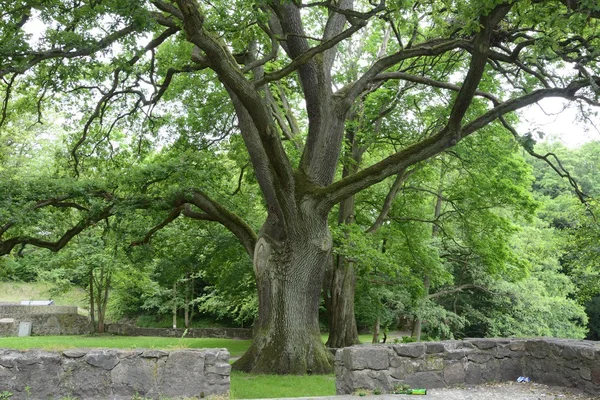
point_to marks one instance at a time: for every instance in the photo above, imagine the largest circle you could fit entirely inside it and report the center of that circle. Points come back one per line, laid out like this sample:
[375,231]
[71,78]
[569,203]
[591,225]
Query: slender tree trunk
[192,299]
[426,279]
[174,305]
[186,315]
[289,274]
[103,305]
[376,330]
[92,305]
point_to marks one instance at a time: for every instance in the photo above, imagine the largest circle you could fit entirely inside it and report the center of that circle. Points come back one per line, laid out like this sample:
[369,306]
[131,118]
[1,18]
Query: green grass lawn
[17,291]
[249,386]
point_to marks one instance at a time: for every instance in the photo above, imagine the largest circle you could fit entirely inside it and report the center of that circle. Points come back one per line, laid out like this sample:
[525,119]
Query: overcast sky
[558,120]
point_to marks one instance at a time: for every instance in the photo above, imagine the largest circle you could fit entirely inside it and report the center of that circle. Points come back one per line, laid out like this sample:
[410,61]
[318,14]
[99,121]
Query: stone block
[491,371]
[383,380]
[154,354]
[585,373]
[479,358]
[457,354]
[105,359]
[222,369]
[426,379]
[511,369]
[179,366]
[556,348]
[473,373]
[358,379]
[483,344]
[435,348]
[413,350]
[588,352]
[8,359]
[569,353]
[367,357]
[38,371]
[434,363]
[517,345]
[503,351]
[454,373]
[82,380]
[595,375]
[74,353]
[537,348]
[133,376]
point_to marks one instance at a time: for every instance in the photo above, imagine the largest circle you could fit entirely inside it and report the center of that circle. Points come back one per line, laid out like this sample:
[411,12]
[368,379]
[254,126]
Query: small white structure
[24,329]
[37,302]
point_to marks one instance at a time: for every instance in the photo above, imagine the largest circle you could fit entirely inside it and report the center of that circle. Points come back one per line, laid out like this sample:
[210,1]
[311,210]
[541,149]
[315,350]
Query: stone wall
[560,362]
[17,309]
[118,374]
[226,333]
[45,320]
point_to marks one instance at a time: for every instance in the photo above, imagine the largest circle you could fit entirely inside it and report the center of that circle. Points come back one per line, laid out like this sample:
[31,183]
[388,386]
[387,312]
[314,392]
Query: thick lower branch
[228,219]
[8,245]
[433,145]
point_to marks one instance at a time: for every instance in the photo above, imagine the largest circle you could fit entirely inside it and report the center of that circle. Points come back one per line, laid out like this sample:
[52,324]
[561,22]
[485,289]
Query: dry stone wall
[114,374]
[226,333]
[45,320]
[560,362]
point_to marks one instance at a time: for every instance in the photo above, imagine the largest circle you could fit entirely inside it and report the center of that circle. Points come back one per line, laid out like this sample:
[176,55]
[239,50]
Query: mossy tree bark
[289,273]
[339,285]
[339,302]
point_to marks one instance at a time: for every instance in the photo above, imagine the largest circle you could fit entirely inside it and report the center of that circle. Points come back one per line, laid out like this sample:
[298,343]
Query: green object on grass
[411,391]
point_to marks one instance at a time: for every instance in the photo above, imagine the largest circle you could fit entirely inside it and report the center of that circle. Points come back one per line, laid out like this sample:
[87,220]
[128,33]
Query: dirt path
[501,391]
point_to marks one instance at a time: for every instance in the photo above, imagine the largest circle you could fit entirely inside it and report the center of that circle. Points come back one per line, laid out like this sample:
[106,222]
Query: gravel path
[501,391]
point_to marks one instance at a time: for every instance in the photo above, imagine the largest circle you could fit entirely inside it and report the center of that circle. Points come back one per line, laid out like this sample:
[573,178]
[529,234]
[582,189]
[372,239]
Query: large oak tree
[479,60]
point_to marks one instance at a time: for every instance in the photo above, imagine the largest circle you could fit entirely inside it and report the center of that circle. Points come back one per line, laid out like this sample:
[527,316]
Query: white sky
[557,119]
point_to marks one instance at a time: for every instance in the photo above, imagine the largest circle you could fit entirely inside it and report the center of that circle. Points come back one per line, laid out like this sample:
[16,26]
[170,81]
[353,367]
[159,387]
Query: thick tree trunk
[103,305]
[417,327]
[289,274]
[341,285]
[339,288]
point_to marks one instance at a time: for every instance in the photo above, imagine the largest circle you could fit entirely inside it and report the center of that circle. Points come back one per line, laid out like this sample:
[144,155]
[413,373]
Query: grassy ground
[14,292]
[248,386]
